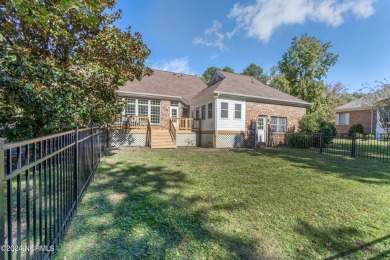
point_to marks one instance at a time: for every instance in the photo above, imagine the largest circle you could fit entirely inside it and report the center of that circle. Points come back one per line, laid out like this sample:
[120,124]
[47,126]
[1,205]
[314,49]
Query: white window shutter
[337,119]
[347,118]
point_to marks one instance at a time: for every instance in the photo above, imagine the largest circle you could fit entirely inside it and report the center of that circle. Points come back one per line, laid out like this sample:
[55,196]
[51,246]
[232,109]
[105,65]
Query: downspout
[215,119]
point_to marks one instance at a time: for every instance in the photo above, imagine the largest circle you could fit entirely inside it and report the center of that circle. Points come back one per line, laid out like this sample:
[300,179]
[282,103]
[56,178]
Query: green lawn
[207,203]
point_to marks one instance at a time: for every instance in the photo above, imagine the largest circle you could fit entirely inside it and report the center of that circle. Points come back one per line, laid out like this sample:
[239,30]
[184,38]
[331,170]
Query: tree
[335,96]
[228,69]
[60,64]
[304,66]
[256,72]
[208,74]
[353,96]
[210,71]
[379,100]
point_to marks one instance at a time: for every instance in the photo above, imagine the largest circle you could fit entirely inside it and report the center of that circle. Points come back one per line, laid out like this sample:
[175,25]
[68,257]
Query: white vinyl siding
[230,123]
[208,123]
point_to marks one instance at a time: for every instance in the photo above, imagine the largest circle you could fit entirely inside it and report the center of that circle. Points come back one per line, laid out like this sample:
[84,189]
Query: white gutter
[351,109]
[148,95]
[274,100]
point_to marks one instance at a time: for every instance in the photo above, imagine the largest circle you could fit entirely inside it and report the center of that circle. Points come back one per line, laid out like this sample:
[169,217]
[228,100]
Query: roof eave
[351,109]
[153,96]
[275,101]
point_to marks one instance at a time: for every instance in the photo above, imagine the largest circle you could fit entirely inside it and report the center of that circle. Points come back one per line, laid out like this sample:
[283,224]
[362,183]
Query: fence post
[321,141]
[353,148]
[76,166]
[2,213]
[92,150]
[98,143]
[107,138]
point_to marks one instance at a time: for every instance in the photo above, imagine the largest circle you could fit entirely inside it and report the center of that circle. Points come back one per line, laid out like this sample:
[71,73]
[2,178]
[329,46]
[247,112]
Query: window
[185,112]
[130,106]
[143,107]
[155,112]
[237,111]
[210,110]
[343,119]
[197,113]
[203,112]
[224,110]
[174,104]
[278,124]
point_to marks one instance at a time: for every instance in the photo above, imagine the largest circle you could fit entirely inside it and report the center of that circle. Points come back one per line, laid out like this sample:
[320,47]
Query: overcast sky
[189,36]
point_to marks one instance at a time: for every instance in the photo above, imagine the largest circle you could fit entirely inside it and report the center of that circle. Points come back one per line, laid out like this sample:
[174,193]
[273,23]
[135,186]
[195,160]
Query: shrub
[310,123]
[357,128]
[299,140]
[359,135]
[370,137]
[329,131]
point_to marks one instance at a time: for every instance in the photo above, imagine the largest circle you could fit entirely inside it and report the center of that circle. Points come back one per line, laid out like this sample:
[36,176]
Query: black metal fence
[375,147]
[43,180]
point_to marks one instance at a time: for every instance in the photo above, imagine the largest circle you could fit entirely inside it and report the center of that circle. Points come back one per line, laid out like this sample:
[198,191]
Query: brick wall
[164,115]
[293,114]
[359,117]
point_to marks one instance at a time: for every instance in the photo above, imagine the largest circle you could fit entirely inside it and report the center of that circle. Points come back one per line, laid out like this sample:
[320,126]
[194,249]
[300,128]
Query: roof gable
[166,83]
[247,87]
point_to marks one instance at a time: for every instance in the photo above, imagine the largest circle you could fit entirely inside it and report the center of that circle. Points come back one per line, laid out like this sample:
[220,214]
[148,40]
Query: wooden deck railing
[149,135]
[131,122]
[172,128]
[188,123]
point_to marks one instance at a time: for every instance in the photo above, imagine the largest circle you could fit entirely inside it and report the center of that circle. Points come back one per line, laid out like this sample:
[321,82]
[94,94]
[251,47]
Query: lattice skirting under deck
[230,140]
[119,138]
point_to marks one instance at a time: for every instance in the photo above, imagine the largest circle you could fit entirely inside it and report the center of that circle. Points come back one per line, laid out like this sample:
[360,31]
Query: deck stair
[162,139]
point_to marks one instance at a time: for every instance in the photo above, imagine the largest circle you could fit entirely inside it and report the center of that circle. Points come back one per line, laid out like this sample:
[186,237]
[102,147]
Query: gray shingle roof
[357,104]
[167,84]
[367,101]
[248,86]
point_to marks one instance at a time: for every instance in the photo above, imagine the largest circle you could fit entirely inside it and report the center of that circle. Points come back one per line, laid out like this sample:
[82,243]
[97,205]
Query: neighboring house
[168,109]
[358,112]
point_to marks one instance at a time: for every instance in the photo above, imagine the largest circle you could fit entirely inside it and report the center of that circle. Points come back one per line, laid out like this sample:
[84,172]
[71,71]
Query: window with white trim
[155,112]
[184,112]
[224,110]
[197,113]
[278,124]
[237,111]
[130,106]
[174,104]
[210,110]
[343,119]
[203,112]
[143,107]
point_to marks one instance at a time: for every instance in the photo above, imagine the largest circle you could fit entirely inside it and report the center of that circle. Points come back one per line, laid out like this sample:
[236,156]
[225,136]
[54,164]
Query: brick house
[168,109]
[357,112]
